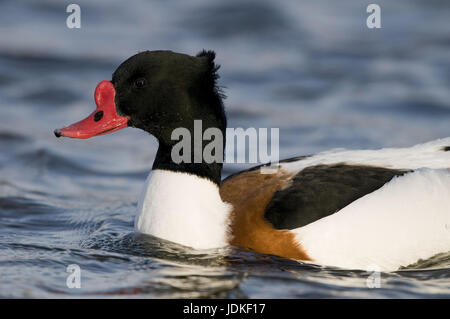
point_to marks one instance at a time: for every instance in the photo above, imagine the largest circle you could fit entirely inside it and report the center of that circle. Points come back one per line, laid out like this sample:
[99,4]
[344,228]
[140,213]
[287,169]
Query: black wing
[319,191]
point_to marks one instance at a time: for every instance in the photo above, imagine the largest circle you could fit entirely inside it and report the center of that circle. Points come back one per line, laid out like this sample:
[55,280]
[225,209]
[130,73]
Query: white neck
[183,208]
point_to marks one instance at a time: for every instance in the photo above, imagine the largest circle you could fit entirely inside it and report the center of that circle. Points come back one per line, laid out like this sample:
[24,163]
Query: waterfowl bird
[383,208]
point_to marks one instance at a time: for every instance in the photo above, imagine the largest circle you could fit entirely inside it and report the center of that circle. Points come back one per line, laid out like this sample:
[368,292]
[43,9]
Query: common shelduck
[384,208]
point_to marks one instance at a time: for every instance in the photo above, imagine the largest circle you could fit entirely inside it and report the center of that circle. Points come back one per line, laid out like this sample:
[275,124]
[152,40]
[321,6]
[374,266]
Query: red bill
[103,120]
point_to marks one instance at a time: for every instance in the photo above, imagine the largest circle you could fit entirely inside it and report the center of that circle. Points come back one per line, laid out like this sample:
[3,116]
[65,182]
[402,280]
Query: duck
[355,209]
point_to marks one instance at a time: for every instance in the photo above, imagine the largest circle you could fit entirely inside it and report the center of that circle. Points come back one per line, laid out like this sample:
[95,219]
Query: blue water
[311,68]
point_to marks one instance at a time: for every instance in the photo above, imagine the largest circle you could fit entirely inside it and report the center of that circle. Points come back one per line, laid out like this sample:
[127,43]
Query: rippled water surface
[311,68]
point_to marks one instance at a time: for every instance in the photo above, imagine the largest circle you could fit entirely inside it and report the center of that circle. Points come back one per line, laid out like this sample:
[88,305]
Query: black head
[162,90]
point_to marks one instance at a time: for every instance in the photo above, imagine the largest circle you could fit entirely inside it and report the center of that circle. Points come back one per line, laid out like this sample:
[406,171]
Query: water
[310,68]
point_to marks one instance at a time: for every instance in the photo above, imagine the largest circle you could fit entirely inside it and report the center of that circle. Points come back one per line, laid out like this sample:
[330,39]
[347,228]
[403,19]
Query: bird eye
[140,83]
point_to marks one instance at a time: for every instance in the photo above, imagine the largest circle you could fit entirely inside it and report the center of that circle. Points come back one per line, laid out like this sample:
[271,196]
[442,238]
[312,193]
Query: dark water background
[311,68]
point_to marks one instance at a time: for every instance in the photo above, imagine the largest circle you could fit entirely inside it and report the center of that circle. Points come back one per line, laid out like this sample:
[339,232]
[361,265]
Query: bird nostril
[98,116]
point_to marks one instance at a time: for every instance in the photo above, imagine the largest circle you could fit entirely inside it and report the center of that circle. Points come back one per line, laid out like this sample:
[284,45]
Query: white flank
[406,220]
[183,208]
